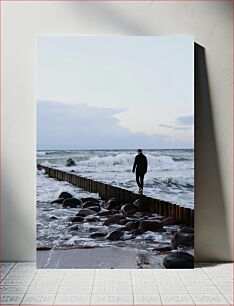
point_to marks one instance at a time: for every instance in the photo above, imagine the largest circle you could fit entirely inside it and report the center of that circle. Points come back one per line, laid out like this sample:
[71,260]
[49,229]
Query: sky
[115,92]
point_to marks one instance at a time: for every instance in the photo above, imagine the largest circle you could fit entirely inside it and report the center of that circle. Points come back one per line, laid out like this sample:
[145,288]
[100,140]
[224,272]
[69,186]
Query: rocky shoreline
[128,223]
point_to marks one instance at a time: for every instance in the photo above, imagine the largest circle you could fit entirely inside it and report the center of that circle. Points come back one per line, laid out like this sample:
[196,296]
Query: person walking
[140,167]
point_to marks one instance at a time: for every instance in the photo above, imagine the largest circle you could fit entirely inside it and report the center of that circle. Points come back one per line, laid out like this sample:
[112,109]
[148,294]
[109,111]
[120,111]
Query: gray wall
[211,24]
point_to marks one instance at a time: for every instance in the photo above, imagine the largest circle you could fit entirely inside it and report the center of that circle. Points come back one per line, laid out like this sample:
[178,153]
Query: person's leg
[142,180]
[137,180]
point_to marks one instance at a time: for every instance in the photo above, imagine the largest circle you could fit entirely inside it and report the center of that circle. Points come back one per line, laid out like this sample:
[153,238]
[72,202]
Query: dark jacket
[140,164]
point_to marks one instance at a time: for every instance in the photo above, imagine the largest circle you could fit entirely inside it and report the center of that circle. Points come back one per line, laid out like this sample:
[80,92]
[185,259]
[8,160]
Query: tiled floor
[207,284]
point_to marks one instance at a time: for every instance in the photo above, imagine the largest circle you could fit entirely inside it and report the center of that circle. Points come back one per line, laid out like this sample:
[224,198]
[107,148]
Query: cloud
[182,123]
[79,126]
[185,120]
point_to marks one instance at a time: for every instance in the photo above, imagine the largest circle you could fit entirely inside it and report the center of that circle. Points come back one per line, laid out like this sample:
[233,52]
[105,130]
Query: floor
[207,284]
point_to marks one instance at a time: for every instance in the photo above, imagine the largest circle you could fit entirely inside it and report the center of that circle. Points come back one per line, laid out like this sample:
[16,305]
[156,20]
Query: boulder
[70,162]
[76,219]
[169,221]
[183,238]
[74,227]
[163,247]
[58,201]
[90,199]
[91,219]
[53,218]
[105,213]
[128,209]
[95,208]
[133,225]
[178,260]
[141,213]
[85,212]
[73,202]
[150,225]
[112,203]
[139,205]
[114,219]
[97,235]
[65,195]
[114,235]
[88,204]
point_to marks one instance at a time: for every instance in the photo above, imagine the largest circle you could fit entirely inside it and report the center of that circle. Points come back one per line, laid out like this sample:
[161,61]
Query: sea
[170,175]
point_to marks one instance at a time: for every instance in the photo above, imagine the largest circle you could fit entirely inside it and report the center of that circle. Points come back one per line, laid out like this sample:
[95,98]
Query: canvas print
[115,152]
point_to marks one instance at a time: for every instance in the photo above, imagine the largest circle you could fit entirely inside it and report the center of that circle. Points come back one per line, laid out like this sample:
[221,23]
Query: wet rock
[90,199]
[44,248]
[112,204]
[123,222]
[95,208]
[163,247]
[179,260]
[53,218]
[141,213]
[58,201]
[76,219]
[150,225]
[114,219]
[184,237]
[169,221]
[97,235]
[88,204]
[105,213]
[73,202]
[139,205]
[70,162]
[188,230]
[74,227]
[85,212]
[114,235]
[92,219]
[65,195]
[133,225]
[128,209]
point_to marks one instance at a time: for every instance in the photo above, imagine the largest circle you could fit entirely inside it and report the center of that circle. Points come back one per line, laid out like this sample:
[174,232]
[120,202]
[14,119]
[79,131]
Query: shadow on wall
[210,216]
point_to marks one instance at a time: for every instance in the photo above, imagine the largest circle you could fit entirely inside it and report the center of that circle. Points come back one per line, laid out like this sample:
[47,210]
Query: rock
[163,247]
[53,218]
[114,235]
[128,209]
[150,225]
[139,205]
[188,230]
[114,219]
[104,213]
[88,204]
[74,227]
[97,235]
[70,162]
[112,203]
[58,201]
[95,208]
[76,219]
[133,225]
[90,199]
[65,195]
[184,237]
[85,212]
[91,219]
[73,202]
[178,260]
[169,221]
[141,213]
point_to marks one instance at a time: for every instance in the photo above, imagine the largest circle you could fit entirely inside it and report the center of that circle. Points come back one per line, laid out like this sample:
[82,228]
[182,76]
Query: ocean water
[170,175]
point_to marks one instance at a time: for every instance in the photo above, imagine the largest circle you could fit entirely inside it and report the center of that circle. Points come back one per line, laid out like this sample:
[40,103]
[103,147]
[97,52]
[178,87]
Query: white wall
[211,24]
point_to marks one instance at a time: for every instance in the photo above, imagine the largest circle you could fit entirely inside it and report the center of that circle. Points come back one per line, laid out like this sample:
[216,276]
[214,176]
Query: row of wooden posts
[182,214]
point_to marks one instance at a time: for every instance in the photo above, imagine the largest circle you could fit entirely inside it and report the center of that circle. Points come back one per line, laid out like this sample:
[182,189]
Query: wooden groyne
[182,214]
